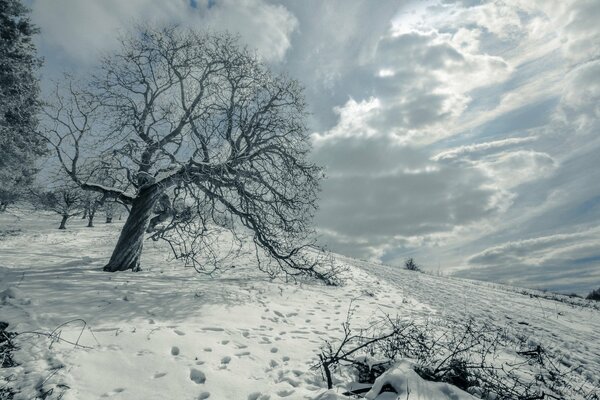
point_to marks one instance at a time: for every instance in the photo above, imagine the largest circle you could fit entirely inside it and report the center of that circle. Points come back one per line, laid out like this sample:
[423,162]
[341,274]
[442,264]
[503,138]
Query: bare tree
[201,133]
[91,202]
[109,210]
[411,265]
[65,199]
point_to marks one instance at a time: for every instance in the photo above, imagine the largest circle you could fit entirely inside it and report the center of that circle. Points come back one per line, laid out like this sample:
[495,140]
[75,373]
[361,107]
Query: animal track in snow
[225,360]
[285,393]
[175,350]
[178,332]
[213,328]
[197,376]
[159,375]
[204,395]
[258,396]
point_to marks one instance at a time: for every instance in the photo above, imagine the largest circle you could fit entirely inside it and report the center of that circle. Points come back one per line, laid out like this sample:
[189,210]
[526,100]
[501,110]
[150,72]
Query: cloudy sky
[465,133]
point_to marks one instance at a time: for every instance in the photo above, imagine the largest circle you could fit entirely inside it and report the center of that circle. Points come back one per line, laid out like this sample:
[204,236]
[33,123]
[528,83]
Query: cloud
[468,150]
[581,96]
[581,34]
[82,29]
[563,261]
[380,193]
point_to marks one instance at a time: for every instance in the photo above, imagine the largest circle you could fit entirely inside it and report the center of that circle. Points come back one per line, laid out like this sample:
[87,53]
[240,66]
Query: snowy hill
[170,333]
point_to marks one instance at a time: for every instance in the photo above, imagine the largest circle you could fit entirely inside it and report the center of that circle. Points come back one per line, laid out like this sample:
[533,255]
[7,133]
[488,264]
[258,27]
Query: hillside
[170,333]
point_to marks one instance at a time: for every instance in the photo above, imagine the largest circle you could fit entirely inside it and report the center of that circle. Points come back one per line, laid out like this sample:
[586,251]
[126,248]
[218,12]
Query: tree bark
[128,250]
[63,222]
[90,220]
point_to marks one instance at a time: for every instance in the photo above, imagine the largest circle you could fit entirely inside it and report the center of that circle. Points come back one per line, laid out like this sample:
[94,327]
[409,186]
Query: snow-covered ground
[170,333]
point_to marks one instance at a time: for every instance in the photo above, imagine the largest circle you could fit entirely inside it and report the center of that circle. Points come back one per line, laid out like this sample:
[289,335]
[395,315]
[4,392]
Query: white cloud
[466,150]
[513,168]
[581,95]
[82,29]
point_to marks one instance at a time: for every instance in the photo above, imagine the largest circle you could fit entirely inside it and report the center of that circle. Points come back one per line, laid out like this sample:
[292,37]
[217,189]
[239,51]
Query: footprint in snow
[242,354]
[180,333]
[285,393]
[224,341]
[213,328]
[159,375]
[113,392]
[175,350]
[197,376]
[274,349]
[258,396]
[225,360]
[204,395]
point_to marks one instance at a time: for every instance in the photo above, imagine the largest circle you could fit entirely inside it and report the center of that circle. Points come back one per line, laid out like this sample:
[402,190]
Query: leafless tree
[200,136]
[91,202]
[64,199]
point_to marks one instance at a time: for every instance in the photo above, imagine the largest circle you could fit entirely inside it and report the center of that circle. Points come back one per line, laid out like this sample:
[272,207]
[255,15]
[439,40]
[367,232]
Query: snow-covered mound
[170,333]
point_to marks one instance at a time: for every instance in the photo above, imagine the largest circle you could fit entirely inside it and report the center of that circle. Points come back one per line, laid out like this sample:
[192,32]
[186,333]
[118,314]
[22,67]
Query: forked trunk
[63,222]
[90,221]
[128,251]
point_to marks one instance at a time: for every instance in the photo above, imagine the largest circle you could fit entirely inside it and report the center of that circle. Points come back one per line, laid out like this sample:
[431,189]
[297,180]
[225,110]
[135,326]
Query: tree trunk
[90,220]
[128,251]
[63,222]
[84,216]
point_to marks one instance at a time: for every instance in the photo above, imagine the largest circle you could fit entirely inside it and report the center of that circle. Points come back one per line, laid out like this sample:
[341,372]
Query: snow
[169,332]
[403,378]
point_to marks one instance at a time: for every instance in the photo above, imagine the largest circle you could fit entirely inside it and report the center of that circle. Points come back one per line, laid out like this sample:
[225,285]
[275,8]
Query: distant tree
[65,199]
[91,202]
[200,134]
[411,265]
[109,210]
[19,105]
[594,295]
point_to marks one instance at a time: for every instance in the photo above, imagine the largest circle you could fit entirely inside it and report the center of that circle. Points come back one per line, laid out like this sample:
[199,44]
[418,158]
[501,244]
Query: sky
[465,134]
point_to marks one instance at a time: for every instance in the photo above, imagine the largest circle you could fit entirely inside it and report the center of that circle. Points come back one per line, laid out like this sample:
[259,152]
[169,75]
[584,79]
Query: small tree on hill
[200,131]
[594,295]
[19,145]
[411,265]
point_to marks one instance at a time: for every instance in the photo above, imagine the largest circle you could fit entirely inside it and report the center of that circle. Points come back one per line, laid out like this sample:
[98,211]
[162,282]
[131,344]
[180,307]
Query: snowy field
[170,333]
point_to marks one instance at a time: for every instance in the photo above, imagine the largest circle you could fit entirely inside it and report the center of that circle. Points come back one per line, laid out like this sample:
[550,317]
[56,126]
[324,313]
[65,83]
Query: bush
[594,295]
[411,265]
[475,356]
